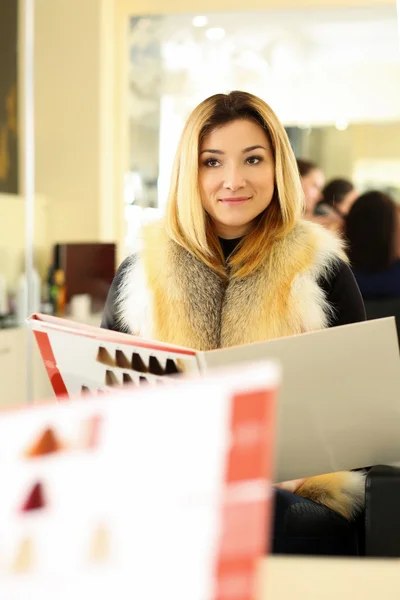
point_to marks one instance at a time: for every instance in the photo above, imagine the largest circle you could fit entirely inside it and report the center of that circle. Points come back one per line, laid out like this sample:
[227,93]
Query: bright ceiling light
[215,33]
[200,21]
[341,124]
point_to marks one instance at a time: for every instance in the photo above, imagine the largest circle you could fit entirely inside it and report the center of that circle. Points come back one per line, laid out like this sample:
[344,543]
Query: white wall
[146,7]
[12,236]
[338,151]
[74,119]
[67,106]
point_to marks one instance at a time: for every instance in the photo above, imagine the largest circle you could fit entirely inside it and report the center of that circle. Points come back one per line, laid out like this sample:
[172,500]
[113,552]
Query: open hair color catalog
[330,379]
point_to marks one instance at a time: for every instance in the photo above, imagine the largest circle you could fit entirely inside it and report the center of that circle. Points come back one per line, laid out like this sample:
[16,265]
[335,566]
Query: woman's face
[236,176]
[312,184]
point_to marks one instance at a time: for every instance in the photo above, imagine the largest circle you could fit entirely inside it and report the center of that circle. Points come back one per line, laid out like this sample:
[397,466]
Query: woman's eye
[254,160]
[211,162]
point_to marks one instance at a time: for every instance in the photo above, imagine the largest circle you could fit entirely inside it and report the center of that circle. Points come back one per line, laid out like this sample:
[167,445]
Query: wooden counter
[298,578]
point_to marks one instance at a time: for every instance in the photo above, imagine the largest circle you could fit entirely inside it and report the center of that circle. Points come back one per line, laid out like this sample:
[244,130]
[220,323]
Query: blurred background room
[114,82]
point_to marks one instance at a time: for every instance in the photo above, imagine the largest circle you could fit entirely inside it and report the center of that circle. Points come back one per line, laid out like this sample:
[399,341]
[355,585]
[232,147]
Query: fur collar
[169,295]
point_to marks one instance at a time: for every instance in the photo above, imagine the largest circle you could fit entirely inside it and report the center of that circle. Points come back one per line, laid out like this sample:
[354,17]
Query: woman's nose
[234,179]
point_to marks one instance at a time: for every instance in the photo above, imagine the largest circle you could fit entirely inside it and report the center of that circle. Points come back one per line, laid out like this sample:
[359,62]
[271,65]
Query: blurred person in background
[398,230]
[233,262]
[372,232]
[313,181]
[338,195]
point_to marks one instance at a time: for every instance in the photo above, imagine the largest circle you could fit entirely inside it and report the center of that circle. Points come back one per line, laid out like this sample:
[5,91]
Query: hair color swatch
[104,357]
[24,557]
[47,443]
[35,500]
[99,551]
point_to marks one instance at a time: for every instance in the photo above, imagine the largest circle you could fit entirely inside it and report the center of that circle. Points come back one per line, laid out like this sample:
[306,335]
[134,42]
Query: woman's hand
[289,486]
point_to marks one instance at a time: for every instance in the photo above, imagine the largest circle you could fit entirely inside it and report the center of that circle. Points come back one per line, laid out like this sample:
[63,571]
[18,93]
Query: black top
[384,284]
[340,288]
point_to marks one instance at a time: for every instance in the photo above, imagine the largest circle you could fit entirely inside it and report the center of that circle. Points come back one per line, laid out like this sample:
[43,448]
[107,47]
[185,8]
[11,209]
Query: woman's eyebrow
[212,151]
[249,149]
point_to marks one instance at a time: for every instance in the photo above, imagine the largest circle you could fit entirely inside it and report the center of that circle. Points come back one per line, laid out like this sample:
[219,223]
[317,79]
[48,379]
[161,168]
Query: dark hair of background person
[305,166]
[335,191]
[370,232]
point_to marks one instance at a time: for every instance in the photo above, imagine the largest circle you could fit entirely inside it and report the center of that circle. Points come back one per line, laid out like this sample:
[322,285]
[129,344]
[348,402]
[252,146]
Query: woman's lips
[234,200]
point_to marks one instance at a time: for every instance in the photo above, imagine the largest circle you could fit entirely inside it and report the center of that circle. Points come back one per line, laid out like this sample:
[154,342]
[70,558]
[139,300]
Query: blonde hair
[188,224]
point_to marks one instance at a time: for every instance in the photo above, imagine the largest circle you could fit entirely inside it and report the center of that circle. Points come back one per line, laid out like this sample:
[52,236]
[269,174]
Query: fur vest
[169,295]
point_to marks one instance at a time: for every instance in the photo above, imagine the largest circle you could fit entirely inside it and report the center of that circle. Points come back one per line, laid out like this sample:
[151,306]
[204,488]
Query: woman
[312,182]
[372,233]
[339,195]
[233,262]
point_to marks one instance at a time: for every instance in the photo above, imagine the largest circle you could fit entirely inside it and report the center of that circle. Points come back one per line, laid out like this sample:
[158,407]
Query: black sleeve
[343,295]
[110,318]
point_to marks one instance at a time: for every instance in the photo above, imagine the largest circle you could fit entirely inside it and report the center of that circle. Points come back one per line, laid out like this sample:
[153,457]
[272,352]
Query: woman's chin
[233,228]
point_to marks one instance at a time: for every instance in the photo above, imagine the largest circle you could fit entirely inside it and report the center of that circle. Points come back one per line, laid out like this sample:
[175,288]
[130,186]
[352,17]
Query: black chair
[303,527]
[307,528]
[382,514]
[383,307]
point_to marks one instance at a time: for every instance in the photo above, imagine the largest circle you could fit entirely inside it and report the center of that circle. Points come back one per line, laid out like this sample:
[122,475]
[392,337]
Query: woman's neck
[228,245]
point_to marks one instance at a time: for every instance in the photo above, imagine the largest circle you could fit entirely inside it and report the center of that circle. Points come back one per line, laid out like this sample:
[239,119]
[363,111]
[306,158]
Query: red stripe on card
[246,509]
[252,423]
[94,427]
[51,366]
